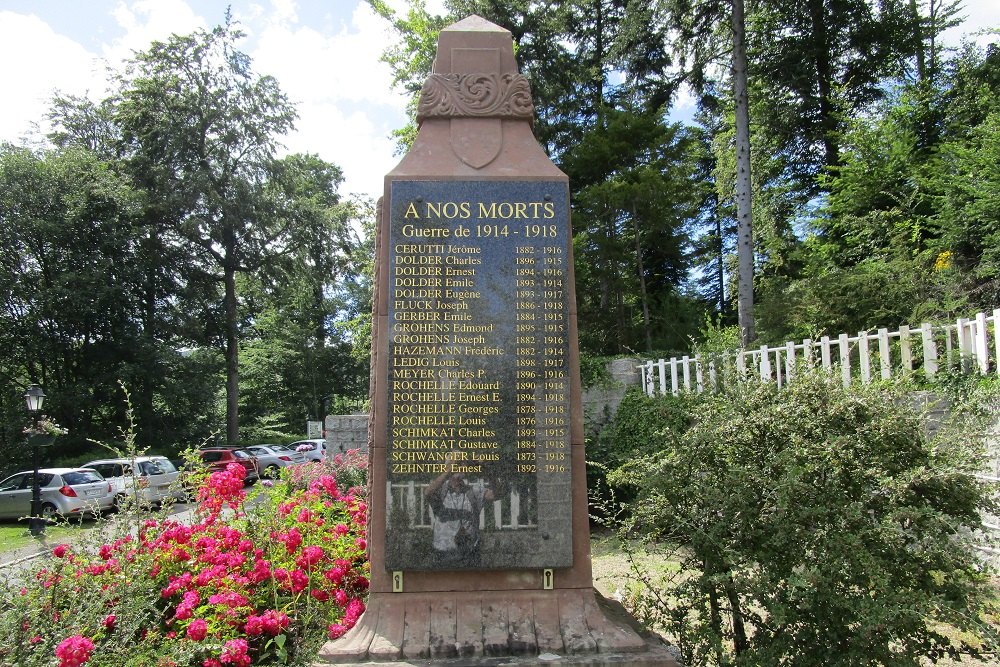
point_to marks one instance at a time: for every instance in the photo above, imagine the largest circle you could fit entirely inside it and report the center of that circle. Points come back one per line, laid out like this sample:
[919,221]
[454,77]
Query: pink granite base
[568,626]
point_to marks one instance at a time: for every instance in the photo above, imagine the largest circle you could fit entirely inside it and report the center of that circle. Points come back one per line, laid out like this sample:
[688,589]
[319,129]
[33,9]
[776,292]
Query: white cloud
[145,21]
[979,15]
[284,11]
[312,67]
[343,92]
[350,140]
[39,62]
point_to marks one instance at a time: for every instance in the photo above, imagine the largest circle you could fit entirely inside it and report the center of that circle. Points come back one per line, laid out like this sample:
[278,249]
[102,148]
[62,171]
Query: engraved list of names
[478,367]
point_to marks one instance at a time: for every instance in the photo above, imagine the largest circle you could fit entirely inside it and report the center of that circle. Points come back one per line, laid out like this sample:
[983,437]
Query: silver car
[272,458]
[64,491]
[148,479]
[314,448]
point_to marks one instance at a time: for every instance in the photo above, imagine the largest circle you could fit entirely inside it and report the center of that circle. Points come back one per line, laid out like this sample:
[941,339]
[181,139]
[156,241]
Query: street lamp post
[35,397]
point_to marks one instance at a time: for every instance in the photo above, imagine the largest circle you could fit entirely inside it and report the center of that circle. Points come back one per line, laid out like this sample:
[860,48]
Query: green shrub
[640,428]
[819,526]
[594,371]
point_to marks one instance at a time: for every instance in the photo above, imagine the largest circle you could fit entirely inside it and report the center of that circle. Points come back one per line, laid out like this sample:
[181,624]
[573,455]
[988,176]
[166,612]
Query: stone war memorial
[478,531]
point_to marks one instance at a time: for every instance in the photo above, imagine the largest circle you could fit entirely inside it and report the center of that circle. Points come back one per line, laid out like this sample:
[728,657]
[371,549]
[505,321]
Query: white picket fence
[969,345]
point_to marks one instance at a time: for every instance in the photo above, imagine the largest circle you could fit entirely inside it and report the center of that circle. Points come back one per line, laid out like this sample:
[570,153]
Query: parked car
[297,457]
[188,478]
[64,492]
[271,459]
[217,458]
[313,448]
[149,479]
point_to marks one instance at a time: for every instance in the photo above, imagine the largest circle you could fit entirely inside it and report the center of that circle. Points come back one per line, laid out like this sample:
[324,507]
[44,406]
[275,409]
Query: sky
[325,55]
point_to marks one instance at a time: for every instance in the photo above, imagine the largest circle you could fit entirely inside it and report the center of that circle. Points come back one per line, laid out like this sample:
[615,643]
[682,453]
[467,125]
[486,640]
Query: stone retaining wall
[346,432]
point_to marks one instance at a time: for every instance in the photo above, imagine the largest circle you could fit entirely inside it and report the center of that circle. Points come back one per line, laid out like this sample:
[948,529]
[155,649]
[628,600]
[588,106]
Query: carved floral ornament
[475,96]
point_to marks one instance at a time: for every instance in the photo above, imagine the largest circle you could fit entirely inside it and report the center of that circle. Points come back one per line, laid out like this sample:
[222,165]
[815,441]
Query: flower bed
[247,583]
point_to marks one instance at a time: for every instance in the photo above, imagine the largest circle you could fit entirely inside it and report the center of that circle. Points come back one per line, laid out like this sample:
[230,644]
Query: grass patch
[15,536]
[614,569]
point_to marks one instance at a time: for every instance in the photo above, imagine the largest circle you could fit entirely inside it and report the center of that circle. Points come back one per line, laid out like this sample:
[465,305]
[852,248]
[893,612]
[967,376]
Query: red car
[218,458]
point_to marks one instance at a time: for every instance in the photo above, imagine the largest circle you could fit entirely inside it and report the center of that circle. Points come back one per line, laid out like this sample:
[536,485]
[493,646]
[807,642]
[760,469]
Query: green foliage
[818,526]
[640,427]
[68,270]
[149,248]
[594,371]
[715,338]
[907,234]
[633,202]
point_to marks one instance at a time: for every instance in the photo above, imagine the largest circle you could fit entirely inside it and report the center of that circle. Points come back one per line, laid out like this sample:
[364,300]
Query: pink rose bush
[247,582]
[74,651]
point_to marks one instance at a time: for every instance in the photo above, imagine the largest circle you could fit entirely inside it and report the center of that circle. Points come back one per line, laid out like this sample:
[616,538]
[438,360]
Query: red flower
[253,626]
[60,550]
[274,621]
[310,556]
[109,622]
[353,612]
[235,653]
[292,539]
[197,630]
[74,651]
[336,630]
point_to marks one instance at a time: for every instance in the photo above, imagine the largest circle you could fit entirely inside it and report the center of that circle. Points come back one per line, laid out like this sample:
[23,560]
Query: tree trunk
[744,246]
[740,643]
[642,281]
[918,41]
[720,260]
[715,621]
[146,386]
[824,82]
[232,359]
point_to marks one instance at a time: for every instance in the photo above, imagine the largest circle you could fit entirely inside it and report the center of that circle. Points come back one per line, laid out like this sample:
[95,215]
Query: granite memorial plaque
[478,436]
[478,528]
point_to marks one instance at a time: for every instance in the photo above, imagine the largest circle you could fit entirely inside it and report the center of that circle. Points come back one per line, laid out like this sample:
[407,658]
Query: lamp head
[34,397]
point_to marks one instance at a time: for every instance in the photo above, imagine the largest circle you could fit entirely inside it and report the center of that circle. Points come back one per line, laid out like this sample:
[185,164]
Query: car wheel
[48,512]
[119,503]
[271,472]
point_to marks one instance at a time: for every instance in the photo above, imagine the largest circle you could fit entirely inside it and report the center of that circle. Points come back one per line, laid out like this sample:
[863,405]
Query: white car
[149,479]
[272,458]
[314,449]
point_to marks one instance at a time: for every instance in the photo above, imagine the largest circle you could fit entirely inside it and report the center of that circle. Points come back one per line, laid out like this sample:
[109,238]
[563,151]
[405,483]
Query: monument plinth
[479,536]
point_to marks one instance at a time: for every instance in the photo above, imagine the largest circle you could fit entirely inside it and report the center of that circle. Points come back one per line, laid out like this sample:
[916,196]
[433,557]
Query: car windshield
[75,477]
[157,467]
[12,482]
[108,470]
[240,455]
